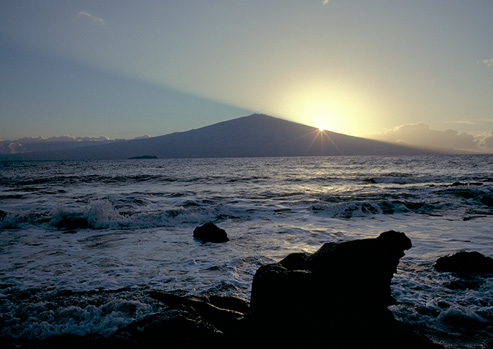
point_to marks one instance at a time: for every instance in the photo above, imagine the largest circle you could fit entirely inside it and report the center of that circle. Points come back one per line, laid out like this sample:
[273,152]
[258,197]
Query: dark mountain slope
[250,136]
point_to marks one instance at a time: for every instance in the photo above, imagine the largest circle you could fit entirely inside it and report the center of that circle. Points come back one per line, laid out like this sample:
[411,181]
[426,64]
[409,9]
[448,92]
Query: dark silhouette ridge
[256,135]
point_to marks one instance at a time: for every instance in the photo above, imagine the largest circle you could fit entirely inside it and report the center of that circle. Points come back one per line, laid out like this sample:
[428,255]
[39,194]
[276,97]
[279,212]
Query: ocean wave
[113,214]
[37,314]
[98,226]
[426,301]
[365,208]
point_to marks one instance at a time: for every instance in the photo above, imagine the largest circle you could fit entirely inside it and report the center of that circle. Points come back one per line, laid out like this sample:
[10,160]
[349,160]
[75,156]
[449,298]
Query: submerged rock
[465,263]
[209,232]
[72,222]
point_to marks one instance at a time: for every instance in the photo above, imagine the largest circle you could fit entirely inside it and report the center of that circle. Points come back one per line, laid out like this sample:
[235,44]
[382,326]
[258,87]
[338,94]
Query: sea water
[83,242]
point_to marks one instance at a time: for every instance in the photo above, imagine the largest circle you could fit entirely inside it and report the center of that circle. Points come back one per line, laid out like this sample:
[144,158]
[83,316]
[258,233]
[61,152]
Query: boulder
[72,222]
[465,263]
[356,273]
[209,232]
[337,295]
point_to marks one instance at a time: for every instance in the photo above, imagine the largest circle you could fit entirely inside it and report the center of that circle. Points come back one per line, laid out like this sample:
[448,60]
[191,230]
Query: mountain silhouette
[256,135]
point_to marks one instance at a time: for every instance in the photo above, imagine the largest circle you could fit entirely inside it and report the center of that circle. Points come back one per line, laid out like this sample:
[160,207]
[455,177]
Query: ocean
[82,243]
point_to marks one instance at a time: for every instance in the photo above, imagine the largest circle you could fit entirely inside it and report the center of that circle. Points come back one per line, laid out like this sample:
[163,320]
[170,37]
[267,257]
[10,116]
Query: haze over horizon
[420,72]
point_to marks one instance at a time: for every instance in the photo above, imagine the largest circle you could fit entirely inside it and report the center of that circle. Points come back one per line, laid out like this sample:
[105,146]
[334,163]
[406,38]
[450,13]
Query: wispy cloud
[422,134]
[488,62]
[464,122]
[95,19]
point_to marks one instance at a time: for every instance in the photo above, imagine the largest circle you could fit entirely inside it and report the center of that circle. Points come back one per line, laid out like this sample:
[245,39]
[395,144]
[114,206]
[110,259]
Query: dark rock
[295,261]
[231,303]
[203,321]
[465,263]
[72,222]
[221,318]
[179,327]
[487,200]
[353,272]
[209,232]
[337,295]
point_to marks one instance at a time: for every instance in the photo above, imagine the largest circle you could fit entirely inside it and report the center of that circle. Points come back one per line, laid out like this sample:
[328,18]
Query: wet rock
[179,327]
[465,263]
[209,232]
[222,318]
[337,295]
[355,273]
[188,322]
[487,200]
[72,222]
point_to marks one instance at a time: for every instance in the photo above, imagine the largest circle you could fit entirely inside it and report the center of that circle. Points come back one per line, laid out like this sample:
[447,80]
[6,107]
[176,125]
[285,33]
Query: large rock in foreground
[337,295]
[347,274]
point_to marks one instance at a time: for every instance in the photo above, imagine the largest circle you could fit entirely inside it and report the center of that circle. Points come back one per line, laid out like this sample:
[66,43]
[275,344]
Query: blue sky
[123,69]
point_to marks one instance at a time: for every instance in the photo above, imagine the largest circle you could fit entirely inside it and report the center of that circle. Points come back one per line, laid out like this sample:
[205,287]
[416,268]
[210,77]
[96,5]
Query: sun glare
[335,107]
[321,118]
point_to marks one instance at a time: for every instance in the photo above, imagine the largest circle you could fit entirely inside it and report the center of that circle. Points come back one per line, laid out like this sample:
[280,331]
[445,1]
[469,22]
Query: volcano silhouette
[256,135]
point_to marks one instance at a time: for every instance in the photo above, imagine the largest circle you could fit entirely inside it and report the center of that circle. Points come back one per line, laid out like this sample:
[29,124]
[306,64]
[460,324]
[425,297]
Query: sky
[124,69]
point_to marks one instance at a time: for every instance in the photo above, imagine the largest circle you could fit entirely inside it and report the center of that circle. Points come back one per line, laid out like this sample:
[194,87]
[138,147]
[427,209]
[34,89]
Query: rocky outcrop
[187,322]
[465,263]
[355,273]
[209,232]
[338,295]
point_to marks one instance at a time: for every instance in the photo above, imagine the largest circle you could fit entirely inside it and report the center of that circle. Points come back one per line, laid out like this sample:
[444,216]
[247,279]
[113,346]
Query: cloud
[30,144]
[488,62]
[64,138]
[485,140]
[95,19]
[464,122]
[422,135]
[325,2]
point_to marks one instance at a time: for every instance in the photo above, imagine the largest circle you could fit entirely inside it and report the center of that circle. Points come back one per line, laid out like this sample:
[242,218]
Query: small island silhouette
[143,157]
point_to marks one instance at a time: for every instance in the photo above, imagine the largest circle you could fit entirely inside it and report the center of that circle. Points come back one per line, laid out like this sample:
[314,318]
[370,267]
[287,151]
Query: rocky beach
[234,251]
[337,296]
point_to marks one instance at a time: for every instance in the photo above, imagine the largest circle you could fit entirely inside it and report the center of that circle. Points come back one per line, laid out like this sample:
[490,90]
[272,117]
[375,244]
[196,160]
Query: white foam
[141,233]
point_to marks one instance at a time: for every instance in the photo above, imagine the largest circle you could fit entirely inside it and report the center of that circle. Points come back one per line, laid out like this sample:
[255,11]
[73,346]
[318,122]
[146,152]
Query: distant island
[255,135]
[143,157]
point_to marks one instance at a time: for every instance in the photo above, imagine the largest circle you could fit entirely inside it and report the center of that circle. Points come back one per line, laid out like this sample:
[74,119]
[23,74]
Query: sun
[321,118]
[334,105]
